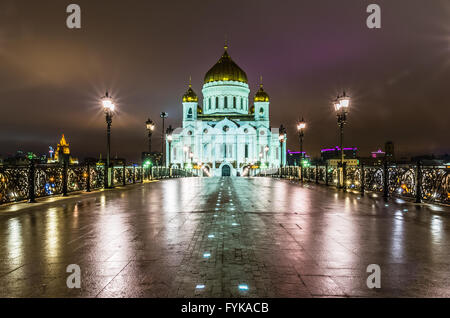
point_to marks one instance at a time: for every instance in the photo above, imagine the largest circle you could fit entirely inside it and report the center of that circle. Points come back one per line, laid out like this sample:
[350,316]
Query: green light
[148,163]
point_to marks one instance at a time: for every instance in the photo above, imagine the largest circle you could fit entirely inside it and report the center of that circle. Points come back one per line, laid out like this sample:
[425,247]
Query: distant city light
[243,287]
[200,287]
[206,255]
[211,236]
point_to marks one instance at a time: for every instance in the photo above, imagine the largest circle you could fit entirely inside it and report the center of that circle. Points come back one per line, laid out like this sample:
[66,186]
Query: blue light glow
[243,287]
[206,255]
[200,287]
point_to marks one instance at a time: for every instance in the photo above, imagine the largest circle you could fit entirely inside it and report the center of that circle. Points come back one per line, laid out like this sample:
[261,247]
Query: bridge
[265,235]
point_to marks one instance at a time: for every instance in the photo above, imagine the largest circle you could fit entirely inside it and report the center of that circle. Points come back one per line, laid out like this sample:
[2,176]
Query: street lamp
[163,115]
[282,138]
[169,140]
[150,128]
[109,108]
[301,125]
[341,105]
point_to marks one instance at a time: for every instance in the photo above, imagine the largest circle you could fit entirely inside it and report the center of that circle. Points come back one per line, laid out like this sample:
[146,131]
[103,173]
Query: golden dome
[261,95]
[226,70]
[190,96]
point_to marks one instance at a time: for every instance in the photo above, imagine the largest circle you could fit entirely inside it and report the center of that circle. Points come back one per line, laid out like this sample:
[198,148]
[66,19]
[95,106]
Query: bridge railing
[414,181]
[28,182]
[165,173]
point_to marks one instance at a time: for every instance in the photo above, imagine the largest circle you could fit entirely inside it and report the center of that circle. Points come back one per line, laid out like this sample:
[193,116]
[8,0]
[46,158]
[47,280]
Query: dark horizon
[51,78]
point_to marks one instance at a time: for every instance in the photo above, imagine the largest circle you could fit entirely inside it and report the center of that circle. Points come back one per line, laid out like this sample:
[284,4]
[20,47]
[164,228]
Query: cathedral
[226,134]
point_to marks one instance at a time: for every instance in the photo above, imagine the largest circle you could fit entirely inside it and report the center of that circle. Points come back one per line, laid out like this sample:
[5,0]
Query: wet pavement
[224,237]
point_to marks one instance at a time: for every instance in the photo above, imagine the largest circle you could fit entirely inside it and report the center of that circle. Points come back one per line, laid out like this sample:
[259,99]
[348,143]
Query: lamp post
[163,115]
[301,125]
[169,140]
[109,108]
[341,105]
[282,138]
[150,125]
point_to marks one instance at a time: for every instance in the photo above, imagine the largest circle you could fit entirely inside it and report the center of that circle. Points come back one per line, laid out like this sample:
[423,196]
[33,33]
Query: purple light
[338,149]
[298,153]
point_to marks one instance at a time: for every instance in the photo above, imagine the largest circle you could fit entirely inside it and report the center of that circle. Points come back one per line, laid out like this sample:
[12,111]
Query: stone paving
[278,237]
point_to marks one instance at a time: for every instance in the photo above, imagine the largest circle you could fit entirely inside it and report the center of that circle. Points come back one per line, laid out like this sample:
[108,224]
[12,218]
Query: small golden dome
[199,110]
[190,96]
[261,95]
[226,70]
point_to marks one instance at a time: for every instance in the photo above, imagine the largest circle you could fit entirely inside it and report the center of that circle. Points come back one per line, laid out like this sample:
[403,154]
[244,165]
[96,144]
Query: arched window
[217,102]
[226,102]
[242,103]
[234,102]
[209,103]
[189,116]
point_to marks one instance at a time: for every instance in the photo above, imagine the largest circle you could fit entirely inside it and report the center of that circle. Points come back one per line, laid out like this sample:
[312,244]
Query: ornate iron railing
[19,183]
[421,183]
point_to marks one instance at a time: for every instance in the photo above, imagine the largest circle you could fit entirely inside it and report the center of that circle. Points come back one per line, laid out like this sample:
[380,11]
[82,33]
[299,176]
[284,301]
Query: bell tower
[262,102]
[190,106]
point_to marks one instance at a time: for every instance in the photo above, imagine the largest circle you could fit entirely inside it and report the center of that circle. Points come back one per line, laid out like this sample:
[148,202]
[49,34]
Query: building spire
[190,81]
[261,82]
[226,43]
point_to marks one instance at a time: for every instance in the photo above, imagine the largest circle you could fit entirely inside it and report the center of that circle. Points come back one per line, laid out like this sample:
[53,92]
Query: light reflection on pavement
[279,238]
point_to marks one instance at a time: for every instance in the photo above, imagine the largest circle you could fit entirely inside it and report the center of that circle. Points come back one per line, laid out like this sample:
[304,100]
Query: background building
[294,158]
[335,153]
[61,149]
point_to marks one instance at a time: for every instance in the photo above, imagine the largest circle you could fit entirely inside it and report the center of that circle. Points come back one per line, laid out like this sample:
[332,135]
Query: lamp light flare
[301,125]
[106,102]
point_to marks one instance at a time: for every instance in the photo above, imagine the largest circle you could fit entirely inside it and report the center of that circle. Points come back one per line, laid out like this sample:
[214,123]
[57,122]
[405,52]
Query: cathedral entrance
[226,171]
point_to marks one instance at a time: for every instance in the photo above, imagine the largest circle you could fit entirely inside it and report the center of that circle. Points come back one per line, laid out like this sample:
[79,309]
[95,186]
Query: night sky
[143,52]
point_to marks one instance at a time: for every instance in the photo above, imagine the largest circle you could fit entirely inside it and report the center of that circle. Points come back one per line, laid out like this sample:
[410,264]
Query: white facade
[226,135]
